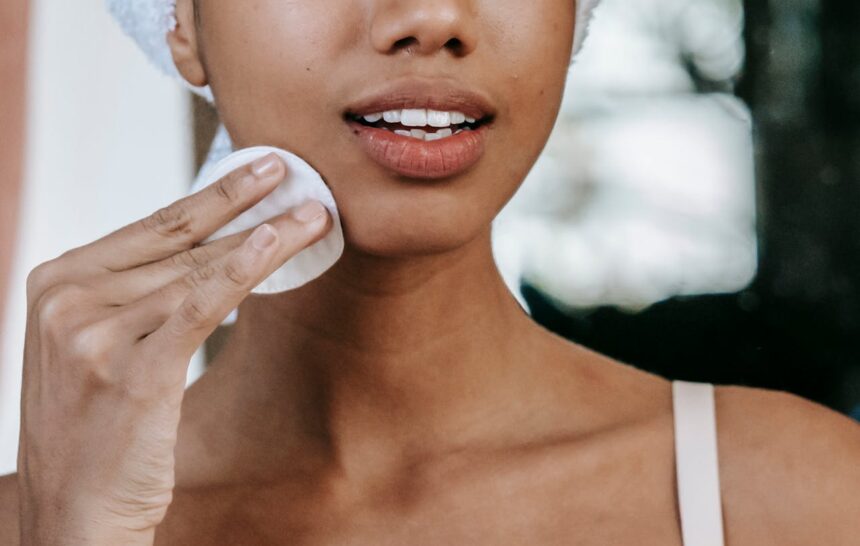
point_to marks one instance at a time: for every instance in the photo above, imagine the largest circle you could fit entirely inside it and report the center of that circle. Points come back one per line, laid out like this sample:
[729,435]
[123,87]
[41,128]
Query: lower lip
[420,159]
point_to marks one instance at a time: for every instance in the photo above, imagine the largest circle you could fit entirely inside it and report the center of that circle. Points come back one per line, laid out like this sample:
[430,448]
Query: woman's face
[293,74]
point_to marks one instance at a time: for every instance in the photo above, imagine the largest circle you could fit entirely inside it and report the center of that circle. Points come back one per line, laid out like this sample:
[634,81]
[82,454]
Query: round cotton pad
[301,184]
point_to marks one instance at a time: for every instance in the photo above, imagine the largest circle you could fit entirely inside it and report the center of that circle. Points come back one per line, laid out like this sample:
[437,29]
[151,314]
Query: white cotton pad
[301,184]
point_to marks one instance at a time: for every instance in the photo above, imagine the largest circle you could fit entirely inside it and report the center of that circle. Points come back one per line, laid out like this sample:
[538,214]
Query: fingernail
[309,212]
[265,166]
[263,237]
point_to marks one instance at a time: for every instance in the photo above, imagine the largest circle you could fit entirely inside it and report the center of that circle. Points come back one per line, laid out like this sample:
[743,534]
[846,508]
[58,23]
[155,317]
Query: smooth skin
[403,397]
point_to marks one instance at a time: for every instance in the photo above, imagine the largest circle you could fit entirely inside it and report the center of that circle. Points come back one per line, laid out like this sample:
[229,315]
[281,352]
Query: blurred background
[695,212]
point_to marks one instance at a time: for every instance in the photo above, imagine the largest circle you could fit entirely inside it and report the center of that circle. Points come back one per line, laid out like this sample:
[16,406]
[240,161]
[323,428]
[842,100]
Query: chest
[595,498]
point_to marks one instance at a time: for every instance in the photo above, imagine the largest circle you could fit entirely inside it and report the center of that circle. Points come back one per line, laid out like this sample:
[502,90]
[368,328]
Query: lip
[439,95]
[415,158]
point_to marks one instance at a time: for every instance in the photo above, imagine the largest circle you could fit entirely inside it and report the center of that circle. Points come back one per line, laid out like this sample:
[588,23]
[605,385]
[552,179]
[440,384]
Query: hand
[111,328]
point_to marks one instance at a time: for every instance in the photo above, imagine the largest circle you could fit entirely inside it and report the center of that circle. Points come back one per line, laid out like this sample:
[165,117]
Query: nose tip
[418,27]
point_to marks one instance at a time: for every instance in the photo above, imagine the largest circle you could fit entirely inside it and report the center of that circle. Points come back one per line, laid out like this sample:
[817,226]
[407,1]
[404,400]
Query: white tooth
[414,118]
[438,119]
[457,118]
[372,118]
[430,137]
[458,131]
[402,132]
[444,132]
[419,133]
[391,116]
[470,120]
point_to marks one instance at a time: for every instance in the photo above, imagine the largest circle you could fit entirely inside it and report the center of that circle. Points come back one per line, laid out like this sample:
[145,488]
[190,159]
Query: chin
[391,228]
[387,215]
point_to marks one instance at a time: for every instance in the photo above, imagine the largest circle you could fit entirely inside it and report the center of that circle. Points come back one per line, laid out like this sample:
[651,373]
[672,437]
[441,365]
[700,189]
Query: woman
[403,397]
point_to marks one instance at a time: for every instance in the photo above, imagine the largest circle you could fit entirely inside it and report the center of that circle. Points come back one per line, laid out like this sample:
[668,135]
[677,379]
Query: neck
[380,359]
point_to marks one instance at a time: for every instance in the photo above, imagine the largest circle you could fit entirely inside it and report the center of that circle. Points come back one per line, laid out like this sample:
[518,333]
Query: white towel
[584,13]
[148,22]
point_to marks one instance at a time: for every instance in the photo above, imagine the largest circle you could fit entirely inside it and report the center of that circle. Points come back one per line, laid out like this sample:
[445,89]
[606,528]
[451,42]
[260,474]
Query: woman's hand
[111,328]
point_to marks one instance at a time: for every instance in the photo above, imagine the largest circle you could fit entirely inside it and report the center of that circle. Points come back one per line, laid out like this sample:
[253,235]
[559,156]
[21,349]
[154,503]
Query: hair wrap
[584,12]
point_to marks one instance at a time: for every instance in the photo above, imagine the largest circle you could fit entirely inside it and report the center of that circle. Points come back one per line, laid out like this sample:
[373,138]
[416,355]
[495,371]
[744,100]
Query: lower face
[297,75]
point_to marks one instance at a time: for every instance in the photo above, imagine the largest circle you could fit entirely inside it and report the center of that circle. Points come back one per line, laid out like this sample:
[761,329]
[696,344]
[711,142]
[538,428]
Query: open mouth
[420,124]
[423,128]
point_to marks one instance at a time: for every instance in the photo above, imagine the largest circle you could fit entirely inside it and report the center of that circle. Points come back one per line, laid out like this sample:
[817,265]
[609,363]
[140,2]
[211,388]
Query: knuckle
[321,233]
[202,274]
[195,311]
[191,259]
[52,272]
[57,305]
[93,345]
[235,276]
[171,221]
[40,278]
[185,284]
[229,187]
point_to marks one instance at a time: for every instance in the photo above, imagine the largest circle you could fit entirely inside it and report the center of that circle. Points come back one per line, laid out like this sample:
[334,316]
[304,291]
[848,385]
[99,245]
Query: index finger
[222,285]
[184,223]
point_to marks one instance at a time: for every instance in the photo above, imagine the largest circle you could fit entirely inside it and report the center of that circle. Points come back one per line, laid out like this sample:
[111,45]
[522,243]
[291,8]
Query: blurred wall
[795,327]
[108,142]
[646,188]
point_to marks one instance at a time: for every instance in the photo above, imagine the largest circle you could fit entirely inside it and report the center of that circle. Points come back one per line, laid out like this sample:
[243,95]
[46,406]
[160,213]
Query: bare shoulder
[9,534]
[790,469]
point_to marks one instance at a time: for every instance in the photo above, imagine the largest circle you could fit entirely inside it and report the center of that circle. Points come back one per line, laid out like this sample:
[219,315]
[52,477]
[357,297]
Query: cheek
[267,66]
[536,51]
[533,64]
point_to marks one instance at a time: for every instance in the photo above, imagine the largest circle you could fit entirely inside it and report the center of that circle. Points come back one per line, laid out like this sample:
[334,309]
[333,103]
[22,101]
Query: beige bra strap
[696,464]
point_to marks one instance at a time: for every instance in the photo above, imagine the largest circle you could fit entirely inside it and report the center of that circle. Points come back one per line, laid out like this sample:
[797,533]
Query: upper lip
[440,95]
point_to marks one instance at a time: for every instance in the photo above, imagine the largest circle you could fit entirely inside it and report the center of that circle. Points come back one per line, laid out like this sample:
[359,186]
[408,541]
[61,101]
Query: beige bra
[696,464]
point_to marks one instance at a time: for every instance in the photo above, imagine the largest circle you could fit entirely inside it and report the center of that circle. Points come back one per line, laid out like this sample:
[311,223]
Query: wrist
[83,533]
[88,537]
